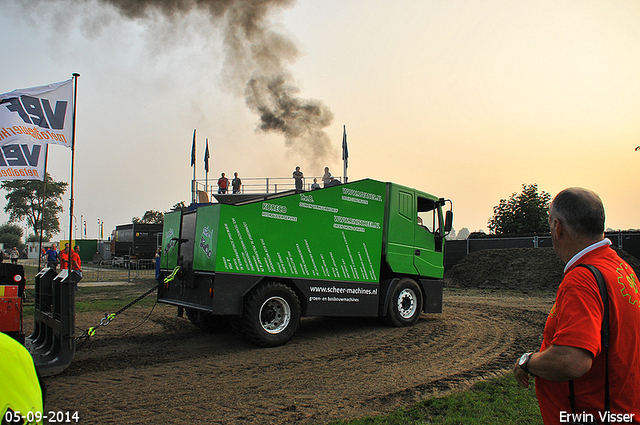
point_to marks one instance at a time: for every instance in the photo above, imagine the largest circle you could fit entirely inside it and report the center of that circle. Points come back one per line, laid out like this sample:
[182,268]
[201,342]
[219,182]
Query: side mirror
[448,222]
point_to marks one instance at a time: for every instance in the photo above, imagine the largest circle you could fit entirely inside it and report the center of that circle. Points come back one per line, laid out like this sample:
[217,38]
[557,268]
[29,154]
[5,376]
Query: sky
[467,100]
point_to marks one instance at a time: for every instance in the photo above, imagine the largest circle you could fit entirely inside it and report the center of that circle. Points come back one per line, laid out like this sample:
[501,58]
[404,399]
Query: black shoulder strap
[605,301]
[604,333]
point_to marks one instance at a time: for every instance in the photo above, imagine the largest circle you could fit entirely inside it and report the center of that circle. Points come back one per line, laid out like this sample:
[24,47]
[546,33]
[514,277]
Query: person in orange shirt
[64,257]
[605,379]
[75,259]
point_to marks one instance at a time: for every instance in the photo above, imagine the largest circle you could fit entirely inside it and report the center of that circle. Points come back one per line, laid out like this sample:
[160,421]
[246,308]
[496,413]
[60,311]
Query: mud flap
[53,341]
[432,289]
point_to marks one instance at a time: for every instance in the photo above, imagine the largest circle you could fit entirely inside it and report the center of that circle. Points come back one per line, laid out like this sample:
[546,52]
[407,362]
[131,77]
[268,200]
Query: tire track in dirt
[167,371]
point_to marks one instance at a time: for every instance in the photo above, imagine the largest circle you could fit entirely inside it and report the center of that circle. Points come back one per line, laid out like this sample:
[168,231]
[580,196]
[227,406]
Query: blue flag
[193,149]
[206,157]
[345,150]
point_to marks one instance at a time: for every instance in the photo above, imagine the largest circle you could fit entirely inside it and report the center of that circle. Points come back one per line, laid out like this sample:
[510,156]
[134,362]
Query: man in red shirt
[64,257]
[223,184]
[76,263]
[571,349]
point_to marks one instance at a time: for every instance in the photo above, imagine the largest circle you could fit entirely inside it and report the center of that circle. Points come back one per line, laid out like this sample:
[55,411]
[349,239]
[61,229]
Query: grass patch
[30,273]
[499,401]
[112,298]
[105,299]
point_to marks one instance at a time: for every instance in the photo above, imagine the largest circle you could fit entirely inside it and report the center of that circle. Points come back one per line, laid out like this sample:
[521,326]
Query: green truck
[366,248]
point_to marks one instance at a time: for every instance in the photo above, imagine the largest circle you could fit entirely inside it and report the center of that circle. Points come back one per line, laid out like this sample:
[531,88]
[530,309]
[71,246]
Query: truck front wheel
[405,303]
[271,314]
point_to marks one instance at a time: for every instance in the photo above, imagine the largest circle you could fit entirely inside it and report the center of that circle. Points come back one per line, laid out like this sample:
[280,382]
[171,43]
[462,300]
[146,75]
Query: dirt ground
[167,371]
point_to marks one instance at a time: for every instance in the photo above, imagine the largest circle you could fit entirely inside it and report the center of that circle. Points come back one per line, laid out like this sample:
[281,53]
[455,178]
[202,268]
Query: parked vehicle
[135,241]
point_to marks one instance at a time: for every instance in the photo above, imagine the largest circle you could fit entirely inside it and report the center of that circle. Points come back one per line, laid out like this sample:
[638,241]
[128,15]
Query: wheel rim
[407,303]
[275,315]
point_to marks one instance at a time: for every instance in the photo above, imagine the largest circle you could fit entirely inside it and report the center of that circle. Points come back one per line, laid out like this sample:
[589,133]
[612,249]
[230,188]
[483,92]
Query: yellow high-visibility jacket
[19,386]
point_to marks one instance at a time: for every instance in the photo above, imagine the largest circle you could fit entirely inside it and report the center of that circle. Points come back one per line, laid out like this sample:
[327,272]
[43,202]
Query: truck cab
[415,232]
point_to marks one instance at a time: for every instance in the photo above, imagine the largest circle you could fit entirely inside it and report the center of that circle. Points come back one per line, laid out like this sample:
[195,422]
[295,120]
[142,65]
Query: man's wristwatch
[524,362]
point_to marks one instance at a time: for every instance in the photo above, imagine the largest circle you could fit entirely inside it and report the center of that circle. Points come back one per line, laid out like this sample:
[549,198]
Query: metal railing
[256,184]
[120,269]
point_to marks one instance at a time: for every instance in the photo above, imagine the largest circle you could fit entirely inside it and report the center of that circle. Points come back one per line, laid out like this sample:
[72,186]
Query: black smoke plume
[256,57]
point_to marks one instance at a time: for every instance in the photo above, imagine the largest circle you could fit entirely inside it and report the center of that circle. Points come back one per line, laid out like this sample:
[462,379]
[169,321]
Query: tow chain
[108,318]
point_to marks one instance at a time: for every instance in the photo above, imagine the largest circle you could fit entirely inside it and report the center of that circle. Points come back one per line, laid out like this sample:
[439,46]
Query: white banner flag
[22,161]
[29,119]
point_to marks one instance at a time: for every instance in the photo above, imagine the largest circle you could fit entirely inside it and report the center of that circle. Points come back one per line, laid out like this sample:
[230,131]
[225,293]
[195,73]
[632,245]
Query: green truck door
[411,245]
[401,232]
[428,252]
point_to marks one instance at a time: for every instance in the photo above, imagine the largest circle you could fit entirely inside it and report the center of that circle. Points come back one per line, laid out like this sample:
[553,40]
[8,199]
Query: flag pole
[206,167]
[194,189]
[73,152]
[42,211]
[345,153]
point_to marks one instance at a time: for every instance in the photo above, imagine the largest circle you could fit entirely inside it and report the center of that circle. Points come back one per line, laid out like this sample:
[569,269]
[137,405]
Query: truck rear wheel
[405,303]
[271,314]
